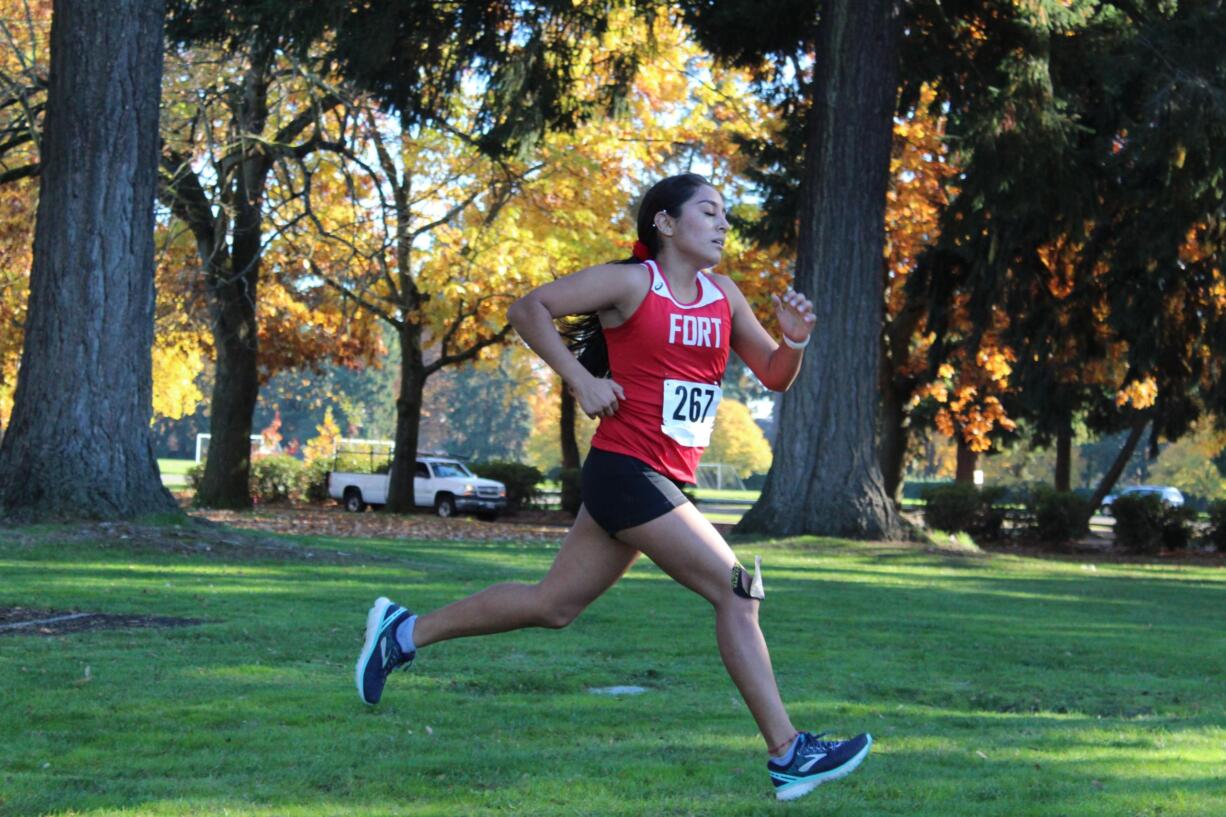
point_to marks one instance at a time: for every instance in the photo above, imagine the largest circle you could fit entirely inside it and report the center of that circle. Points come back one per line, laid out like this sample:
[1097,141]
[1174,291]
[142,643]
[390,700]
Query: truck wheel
[444,505]
[353,500]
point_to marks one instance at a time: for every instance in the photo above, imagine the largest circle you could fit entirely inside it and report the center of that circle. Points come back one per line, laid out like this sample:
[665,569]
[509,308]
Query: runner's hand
[795,314]
[598,396]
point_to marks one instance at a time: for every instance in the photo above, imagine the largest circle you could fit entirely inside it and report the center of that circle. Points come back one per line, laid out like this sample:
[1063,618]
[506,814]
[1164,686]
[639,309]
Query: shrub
[1217,525]
[313,484]
[1145,524]
[276,478]
[193,475]
[1059,516]
[521,481]
[960,507]
[1177,527]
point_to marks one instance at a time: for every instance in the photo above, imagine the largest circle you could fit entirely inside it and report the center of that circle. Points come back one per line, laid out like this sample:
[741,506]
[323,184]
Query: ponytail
[583,333]
[585,337]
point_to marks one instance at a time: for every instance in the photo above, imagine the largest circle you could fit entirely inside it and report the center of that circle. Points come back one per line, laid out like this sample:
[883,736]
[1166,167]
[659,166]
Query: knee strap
[755,590]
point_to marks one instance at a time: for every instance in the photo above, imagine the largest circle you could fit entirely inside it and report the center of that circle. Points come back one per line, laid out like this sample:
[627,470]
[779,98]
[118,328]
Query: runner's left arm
[776,365]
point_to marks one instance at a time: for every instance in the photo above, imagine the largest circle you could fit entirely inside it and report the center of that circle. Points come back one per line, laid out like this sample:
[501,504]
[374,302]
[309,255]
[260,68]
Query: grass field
[993,685]
[178,467]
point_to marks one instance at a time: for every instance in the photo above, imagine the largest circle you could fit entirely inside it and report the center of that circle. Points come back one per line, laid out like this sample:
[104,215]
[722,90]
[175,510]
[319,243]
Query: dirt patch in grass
[41,622]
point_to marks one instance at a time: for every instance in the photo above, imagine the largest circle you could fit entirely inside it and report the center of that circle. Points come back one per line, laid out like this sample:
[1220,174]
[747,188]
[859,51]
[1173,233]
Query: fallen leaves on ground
[333,522]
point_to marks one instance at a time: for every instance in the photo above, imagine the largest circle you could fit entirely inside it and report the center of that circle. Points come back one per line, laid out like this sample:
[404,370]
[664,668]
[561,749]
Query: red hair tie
[641,251]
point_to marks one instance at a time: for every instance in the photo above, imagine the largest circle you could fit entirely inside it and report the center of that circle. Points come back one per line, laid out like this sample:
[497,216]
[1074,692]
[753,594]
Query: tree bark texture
[826,478]
[78,445]
[413,374]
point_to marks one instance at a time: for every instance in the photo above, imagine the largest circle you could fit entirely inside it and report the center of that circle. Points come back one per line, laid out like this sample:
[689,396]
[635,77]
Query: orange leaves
[968,405]
[1141,394]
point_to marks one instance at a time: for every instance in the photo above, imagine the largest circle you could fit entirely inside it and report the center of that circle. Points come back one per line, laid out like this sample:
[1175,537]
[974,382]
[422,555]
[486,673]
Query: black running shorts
[621,492]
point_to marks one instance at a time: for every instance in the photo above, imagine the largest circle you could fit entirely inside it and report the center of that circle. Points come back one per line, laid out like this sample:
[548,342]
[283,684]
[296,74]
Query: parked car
[442,483]
[1169,495]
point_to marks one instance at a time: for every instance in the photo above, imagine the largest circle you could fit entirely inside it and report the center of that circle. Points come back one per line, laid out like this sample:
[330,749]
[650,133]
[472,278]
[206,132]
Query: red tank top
[669,357]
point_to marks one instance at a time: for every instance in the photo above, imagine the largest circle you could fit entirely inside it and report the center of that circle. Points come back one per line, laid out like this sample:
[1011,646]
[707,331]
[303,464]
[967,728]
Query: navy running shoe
[815,762]
[381,654]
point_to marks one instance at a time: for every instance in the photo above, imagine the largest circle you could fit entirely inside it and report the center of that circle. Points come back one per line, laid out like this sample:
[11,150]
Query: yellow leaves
[324,444]
[1141,394]
[738,441]
[178,360]
[945,371]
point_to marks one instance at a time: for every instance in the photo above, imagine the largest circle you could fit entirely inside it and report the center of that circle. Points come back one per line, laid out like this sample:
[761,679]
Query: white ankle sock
[786,758]
[404,635]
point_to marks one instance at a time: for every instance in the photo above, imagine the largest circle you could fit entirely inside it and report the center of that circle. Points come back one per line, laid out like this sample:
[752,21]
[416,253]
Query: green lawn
[175,466]
[993,685]
[726,493]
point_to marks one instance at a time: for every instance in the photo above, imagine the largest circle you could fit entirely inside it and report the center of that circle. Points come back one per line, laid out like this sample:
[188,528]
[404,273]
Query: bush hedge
[279,478]
[957,507]
[521,481]
[1146,524]
[1217,525]
[276,478]
[1058,517]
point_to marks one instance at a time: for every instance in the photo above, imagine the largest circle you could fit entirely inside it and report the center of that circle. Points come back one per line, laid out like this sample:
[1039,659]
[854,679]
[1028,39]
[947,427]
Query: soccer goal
[258,446]
[720,476]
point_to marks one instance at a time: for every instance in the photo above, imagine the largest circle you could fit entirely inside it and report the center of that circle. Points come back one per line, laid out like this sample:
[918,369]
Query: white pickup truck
[444,484]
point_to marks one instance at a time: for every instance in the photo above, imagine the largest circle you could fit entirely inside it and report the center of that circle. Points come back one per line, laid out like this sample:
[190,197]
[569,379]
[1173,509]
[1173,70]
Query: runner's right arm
[602,289]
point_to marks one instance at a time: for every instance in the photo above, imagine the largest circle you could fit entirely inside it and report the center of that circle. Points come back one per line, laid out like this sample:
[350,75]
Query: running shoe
[381,654]
[815,762]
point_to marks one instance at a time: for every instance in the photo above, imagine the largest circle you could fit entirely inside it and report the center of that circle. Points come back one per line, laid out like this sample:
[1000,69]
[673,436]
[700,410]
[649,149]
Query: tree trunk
[967,460]
[1121,461]
[232,302]
[571,499]
[78,444]
[825,478]
[894,438]
[408,419]
[1064,457]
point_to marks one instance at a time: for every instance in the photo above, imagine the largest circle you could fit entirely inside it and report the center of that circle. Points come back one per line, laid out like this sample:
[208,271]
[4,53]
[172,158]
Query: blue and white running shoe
[815,762]
[381,654]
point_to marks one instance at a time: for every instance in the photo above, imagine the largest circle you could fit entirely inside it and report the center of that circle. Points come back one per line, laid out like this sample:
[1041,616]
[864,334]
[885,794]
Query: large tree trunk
[232,299]
[964,470]
[571,498]
[408,419]
[226,481]
[892,447]
[1064,457]
[78,444]
[825,478]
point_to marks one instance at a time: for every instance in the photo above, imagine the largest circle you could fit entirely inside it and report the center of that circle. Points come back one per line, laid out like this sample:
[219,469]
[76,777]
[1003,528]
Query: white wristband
[793,344]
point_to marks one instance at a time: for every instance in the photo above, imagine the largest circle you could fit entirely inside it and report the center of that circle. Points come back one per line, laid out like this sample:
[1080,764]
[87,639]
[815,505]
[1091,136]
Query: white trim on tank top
[709,292]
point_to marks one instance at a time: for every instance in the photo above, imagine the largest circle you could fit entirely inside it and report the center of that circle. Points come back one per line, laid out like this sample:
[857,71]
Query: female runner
[652,357]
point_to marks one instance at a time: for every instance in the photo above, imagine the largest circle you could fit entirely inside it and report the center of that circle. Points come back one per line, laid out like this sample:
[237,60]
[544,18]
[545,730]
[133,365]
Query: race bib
[689,411]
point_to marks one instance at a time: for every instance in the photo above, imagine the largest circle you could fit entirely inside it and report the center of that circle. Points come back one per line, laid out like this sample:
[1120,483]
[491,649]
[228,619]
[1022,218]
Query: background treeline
[1009,216]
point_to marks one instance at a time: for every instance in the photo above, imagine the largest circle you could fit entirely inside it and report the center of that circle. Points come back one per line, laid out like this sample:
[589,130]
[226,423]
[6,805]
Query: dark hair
[582,332]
